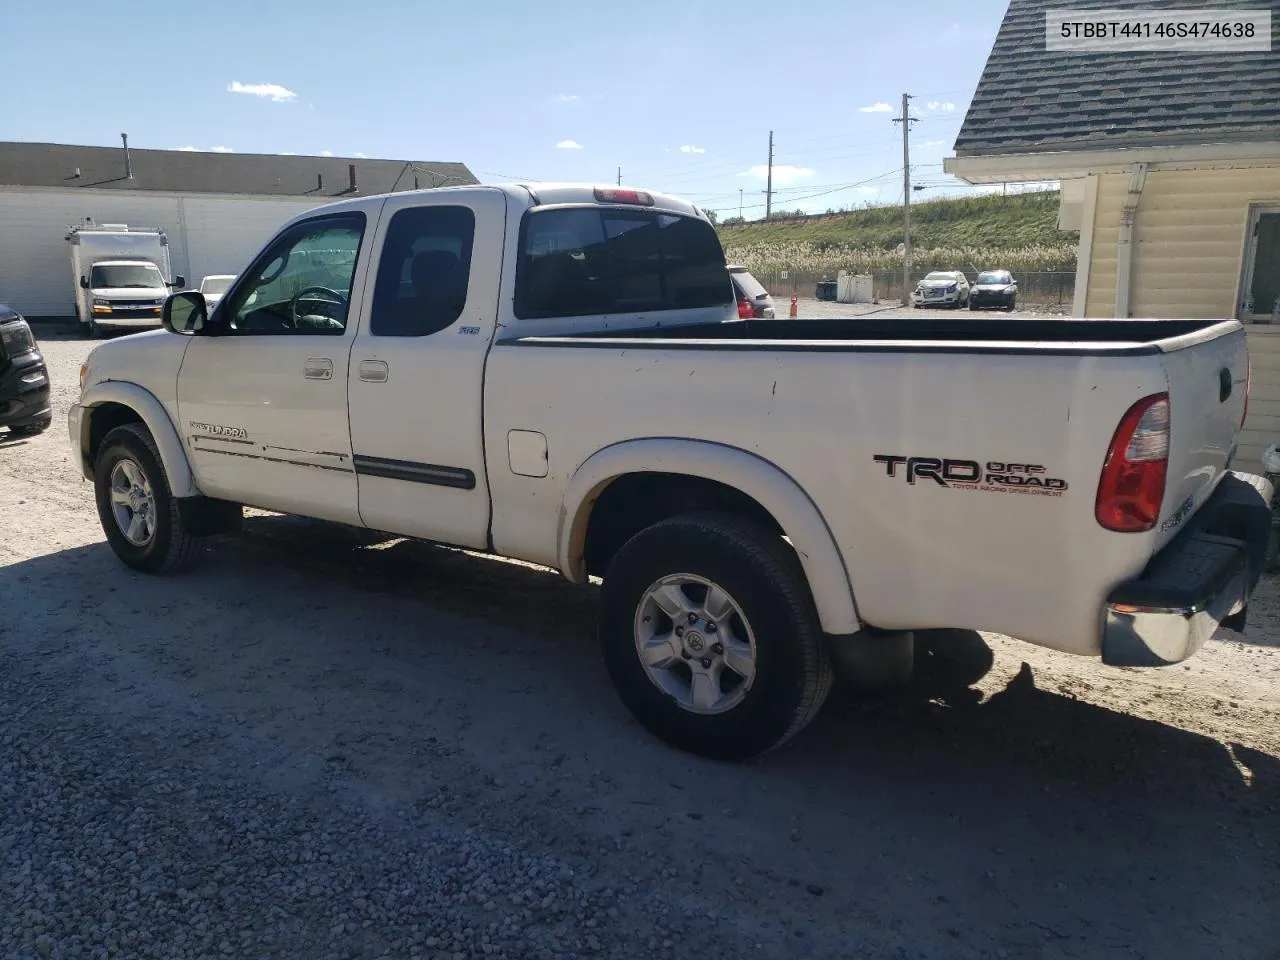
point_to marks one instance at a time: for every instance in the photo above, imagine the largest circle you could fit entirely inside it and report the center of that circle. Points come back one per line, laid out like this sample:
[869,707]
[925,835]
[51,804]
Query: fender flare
[784,499]
[157,420]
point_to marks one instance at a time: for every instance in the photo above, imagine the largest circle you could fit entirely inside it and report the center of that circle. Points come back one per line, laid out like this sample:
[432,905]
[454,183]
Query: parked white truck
[556,373]
[122,276]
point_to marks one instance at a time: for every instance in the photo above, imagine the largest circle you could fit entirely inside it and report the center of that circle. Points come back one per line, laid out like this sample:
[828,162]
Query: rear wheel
[710,636]
[140,517]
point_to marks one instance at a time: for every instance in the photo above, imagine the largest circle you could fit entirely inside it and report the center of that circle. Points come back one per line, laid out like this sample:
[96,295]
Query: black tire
[972,305]
[172,545]
[33,429]
[1012,306]
[793,673]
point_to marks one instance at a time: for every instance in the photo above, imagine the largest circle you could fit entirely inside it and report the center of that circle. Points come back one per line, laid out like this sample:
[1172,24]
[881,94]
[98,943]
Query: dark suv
[24,379]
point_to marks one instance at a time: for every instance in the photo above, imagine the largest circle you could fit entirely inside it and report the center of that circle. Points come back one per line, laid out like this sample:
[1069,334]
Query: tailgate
[1208,381]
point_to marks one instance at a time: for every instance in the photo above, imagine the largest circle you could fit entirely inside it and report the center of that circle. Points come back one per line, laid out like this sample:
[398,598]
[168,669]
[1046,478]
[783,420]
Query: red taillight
[1133,475]
[611,195]
[1248,385]
[745,310]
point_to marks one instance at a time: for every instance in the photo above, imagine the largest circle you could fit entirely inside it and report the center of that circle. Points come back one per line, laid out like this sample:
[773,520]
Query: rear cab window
[583,261]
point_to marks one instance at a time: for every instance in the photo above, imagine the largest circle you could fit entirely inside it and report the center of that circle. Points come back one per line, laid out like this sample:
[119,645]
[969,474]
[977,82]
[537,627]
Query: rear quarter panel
[1203,425]
[921,554]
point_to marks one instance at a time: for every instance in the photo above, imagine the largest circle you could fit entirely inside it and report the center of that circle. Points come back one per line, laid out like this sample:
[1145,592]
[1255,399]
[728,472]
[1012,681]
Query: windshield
[749,285]
[144,275]
[215,285]
[994,276]
[939,277]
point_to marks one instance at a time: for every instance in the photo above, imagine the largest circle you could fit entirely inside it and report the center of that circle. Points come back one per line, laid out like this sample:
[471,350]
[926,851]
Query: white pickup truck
[556,373]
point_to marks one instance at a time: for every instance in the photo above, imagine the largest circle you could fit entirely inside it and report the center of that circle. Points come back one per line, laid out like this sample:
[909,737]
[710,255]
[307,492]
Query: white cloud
[690,148]
[567,98]
[568,145]
[943,105]
[222,150]
[287,153]
[876,108]
[188,149]
[326,153]
[362,156]
[783,173]
[268,91]
[935,143]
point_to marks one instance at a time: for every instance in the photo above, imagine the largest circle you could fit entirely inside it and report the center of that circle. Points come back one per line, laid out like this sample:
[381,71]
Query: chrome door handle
[374,371]
[318,368]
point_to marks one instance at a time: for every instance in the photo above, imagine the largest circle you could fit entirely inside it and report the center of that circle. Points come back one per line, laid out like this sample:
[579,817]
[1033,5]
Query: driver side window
[302,284]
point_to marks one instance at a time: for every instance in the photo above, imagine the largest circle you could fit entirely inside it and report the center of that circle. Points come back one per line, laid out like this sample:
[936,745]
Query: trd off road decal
[995,476]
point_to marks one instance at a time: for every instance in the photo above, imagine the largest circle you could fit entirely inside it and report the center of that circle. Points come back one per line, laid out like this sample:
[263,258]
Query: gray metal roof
[1031,101]
[182,171]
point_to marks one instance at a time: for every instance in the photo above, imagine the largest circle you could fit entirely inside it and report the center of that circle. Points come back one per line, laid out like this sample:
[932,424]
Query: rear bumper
[1203,578]
[24,391]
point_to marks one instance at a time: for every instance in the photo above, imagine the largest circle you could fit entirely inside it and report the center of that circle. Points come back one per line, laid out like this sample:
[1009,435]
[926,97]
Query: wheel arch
[755,483]
[111,403]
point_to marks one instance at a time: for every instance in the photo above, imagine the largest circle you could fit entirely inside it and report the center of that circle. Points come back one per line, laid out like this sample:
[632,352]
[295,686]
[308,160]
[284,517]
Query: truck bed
[908,334]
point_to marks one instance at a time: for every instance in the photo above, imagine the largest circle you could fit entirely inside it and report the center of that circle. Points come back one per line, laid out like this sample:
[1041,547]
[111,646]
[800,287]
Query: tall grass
[829,259]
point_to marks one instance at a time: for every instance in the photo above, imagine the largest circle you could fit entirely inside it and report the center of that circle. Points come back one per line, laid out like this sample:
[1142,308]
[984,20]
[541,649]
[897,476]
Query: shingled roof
[1031,101]
[183,171]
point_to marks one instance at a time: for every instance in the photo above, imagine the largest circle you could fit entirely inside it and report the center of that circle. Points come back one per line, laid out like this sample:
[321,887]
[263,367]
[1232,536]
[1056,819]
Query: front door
[1261,287]
[417,367]
[263,399]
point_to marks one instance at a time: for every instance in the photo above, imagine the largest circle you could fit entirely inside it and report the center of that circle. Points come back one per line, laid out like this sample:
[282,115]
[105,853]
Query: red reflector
[612,195]
[745,310]
[1131,488]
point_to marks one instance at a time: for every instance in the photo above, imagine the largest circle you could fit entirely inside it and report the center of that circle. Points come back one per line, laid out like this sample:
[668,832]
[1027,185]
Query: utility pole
[739,203]
[619,176]
[906,120]
[768,187]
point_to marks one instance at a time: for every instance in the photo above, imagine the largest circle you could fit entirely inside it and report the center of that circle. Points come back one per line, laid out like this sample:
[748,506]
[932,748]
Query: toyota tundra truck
[557,374]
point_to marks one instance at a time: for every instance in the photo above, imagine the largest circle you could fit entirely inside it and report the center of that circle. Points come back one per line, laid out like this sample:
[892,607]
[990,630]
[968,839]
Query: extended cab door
[417,366]
[263,399]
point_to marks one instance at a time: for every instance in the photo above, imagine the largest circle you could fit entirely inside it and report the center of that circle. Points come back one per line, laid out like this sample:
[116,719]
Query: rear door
[1207,384]
[417,366]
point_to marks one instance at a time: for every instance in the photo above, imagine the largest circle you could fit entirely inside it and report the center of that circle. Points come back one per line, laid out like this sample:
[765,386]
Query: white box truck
[122,275]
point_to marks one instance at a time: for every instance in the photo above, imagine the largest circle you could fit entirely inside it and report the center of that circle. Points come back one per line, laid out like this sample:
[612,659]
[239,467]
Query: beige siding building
[1170,169]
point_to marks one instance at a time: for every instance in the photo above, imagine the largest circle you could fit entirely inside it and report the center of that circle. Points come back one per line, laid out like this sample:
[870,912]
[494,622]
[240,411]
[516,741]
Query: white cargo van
[122,276]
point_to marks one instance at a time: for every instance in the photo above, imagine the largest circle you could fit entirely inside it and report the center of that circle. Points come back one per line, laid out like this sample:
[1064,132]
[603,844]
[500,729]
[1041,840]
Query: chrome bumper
[1201,580]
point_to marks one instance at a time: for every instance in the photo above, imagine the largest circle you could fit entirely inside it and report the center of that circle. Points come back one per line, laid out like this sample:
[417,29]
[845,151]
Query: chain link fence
[1035,288]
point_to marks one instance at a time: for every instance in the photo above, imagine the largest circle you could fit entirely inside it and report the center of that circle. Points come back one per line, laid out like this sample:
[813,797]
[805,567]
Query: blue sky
[681,94]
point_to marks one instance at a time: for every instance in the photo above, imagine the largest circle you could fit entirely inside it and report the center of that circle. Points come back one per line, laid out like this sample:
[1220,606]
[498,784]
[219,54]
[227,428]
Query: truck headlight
[16,337]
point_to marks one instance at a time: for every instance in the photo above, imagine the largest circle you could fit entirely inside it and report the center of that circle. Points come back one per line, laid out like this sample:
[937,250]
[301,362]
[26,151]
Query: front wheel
[710,636]
[138,514]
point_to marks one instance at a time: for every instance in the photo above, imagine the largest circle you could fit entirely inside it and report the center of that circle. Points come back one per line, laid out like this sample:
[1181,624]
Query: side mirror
[185,313]
[179,281]
[84,283]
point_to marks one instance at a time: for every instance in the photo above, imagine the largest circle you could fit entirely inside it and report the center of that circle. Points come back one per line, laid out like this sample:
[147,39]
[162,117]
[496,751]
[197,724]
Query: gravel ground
[318,745]
[809,308]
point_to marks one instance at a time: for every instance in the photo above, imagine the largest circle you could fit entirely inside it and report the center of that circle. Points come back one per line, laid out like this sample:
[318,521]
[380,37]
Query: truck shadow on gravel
[1030,822]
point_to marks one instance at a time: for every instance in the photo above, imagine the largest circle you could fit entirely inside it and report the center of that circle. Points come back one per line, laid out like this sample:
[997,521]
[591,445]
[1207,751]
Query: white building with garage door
[217,209]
